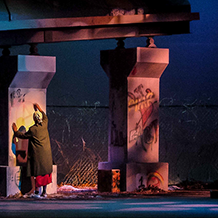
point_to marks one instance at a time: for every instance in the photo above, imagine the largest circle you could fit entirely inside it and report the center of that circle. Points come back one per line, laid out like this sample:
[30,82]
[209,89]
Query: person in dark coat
[39,159]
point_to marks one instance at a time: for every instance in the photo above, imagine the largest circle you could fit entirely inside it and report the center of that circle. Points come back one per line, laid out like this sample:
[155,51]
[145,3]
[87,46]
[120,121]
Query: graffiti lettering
[139,90]
[17,95]
[18,179]
[154,180]
[147,133]
[144,132]
[141,183]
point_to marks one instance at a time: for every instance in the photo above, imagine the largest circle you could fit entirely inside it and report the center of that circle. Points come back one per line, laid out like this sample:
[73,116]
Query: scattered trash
[174,187]
[186,188]
[70,188]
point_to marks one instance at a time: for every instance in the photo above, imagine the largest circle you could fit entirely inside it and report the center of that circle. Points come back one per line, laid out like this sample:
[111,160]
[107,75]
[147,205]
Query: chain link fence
[79,141]
[188,142]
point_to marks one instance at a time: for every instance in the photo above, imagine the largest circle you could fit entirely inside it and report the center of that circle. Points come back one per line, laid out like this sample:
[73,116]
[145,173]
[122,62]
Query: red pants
[43,180]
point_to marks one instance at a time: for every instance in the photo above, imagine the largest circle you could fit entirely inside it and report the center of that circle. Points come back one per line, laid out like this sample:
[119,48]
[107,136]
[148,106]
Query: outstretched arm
[19,134]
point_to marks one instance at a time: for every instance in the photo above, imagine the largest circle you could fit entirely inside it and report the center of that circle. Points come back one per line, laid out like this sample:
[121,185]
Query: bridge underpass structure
[134,76]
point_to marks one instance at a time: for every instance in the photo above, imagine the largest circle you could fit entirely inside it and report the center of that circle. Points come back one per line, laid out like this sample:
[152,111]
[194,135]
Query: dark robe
[39,160]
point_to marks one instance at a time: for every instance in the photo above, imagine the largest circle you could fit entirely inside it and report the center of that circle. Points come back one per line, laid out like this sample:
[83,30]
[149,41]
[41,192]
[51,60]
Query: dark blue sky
[191,76]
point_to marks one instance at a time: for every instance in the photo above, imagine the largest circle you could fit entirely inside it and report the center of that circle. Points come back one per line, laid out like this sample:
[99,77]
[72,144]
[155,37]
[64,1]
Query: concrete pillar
[24,80]
[133,147]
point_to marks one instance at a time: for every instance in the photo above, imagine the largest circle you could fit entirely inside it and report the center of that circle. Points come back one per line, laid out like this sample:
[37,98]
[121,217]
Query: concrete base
[13,180]
[52,187]
[138,175]
[9,180]
[114,165]
[143,175]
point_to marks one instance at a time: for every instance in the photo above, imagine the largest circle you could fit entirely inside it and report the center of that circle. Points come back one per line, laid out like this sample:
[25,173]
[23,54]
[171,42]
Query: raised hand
[14,127]
[36,106]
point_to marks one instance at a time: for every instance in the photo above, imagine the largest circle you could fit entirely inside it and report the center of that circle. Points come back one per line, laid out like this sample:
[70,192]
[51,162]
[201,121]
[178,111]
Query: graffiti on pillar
[21,112]
[145,131]
[18,95]
[20,148]
[154,179]
[141,180]
[18,179]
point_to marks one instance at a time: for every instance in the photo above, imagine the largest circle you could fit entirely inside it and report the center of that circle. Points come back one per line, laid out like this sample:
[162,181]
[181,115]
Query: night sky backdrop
[190,78]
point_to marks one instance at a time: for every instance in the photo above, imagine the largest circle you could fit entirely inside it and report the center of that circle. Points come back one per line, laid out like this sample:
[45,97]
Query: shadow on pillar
[25,181]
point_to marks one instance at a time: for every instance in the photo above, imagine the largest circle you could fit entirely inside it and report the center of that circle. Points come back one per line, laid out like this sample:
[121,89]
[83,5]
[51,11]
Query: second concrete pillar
[133,144]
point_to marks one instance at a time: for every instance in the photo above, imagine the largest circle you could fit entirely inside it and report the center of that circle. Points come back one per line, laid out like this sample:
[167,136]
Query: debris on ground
[70,188]
[90,195]
[91,192]
[174,187]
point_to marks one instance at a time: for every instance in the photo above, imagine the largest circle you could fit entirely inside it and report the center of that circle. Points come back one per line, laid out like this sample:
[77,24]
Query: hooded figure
[39,159]
[37,117]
